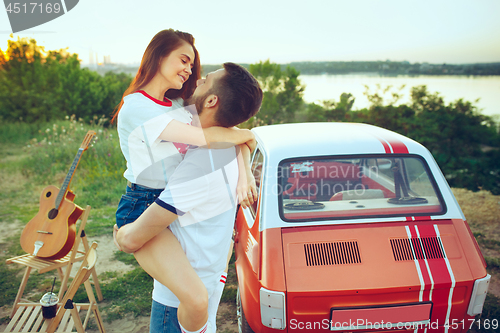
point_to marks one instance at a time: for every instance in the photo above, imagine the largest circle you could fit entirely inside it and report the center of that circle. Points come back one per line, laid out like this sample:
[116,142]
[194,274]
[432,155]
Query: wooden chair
[45,265]
[28,317]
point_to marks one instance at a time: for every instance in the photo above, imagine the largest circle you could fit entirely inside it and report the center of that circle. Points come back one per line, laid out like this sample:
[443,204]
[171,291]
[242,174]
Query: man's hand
[242,191]
[120,242]
[246,190]
[115,231]
[252,188]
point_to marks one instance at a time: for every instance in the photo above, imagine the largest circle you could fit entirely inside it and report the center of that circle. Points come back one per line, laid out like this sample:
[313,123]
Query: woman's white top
[141,120]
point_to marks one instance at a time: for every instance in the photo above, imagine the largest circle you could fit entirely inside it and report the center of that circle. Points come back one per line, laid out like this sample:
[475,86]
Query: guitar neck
[67,180]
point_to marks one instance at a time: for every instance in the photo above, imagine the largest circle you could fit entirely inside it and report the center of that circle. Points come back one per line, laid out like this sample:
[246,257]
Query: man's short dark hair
[240,95]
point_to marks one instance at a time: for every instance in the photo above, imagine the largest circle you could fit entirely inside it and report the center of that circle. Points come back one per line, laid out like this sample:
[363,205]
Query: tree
[457,135]
[40,86]
[24,81]
[282,94]
[330,110]
[464,142]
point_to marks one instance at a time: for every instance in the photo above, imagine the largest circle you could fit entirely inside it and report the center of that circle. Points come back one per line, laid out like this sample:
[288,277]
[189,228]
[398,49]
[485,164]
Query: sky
[436,31]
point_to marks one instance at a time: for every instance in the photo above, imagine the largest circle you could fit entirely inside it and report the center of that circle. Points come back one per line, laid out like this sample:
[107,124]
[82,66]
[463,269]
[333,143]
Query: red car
[355,229]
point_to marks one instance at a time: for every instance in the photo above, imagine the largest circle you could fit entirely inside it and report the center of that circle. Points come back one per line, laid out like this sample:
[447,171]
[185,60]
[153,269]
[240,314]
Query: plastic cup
[49,305]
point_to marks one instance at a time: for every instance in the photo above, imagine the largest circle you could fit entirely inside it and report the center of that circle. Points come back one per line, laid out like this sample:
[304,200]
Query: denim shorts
[134,202]
[163,319]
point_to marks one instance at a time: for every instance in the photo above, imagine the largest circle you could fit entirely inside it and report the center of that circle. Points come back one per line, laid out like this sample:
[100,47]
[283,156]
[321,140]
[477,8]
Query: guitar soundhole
[48,194]
[53,213]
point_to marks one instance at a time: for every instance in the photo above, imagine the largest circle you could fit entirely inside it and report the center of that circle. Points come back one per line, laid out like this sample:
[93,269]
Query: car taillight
[478,295]
[272,309]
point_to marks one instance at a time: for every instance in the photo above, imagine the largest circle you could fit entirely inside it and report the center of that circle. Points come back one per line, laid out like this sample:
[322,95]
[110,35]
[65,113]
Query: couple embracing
[187,170]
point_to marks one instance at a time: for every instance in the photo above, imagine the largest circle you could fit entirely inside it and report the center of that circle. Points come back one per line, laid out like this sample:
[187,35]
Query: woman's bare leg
[164,259]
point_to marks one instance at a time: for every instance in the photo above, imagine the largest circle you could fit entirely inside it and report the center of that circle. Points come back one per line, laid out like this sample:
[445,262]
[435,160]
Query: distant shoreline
[381,68]
[387,68]
[481,90]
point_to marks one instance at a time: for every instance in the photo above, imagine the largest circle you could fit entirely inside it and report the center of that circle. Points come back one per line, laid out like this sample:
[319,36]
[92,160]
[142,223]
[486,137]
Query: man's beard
[197,102]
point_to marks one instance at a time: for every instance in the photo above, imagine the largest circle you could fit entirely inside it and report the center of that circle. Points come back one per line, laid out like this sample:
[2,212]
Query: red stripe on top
[442,278]
[384,143]
[165,102]
[398,147]
[392,145]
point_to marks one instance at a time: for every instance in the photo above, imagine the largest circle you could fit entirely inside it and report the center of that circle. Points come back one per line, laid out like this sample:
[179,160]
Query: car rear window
[350,187]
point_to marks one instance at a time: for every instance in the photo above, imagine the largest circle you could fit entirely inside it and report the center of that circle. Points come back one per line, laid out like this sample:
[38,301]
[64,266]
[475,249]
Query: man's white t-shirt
[202,191]
[142,118]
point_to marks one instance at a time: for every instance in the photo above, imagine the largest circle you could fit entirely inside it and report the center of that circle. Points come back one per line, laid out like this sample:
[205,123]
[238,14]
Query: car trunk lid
[330,269]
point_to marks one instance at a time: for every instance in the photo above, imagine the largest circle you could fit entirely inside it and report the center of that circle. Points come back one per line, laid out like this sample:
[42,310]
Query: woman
[154,131]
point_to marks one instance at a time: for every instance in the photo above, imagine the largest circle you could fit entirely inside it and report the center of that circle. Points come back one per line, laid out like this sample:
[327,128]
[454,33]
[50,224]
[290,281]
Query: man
[199,202]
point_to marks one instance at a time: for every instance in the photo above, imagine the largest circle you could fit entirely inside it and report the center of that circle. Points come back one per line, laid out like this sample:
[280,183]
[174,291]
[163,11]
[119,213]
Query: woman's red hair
[162,44]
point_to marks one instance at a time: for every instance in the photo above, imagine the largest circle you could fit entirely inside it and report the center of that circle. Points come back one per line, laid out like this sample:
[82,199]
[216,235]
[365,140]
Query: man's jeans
[163,319]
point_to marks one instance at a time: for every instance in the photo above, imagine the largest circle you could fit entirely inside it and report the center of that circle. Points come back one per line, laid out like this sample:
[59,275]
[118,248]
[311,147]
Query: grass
[229,292]
[483,240]
[130,293]
[34,156]
[482,210]
[493,263]
[41,155]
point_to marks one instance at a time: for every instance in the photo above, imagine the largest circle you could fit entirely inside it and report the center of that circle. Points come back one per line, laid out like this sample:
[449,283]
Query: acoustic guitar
[51,233]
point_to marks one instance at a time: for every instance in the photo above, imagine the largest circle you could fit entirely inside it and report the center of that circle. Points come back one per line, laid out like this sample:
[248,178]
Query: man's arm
[131,237]
[183,133]
[246,189]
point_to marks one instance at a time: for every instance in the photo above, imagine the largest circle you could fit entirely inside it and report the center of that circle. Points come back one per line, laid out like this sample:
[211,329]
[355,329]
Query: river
[451,88]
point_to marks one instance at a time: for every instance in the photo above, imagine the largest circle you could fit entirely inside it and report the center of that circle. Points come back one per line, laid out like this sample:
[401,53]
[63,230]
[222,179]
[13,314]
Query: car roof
[316,139]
